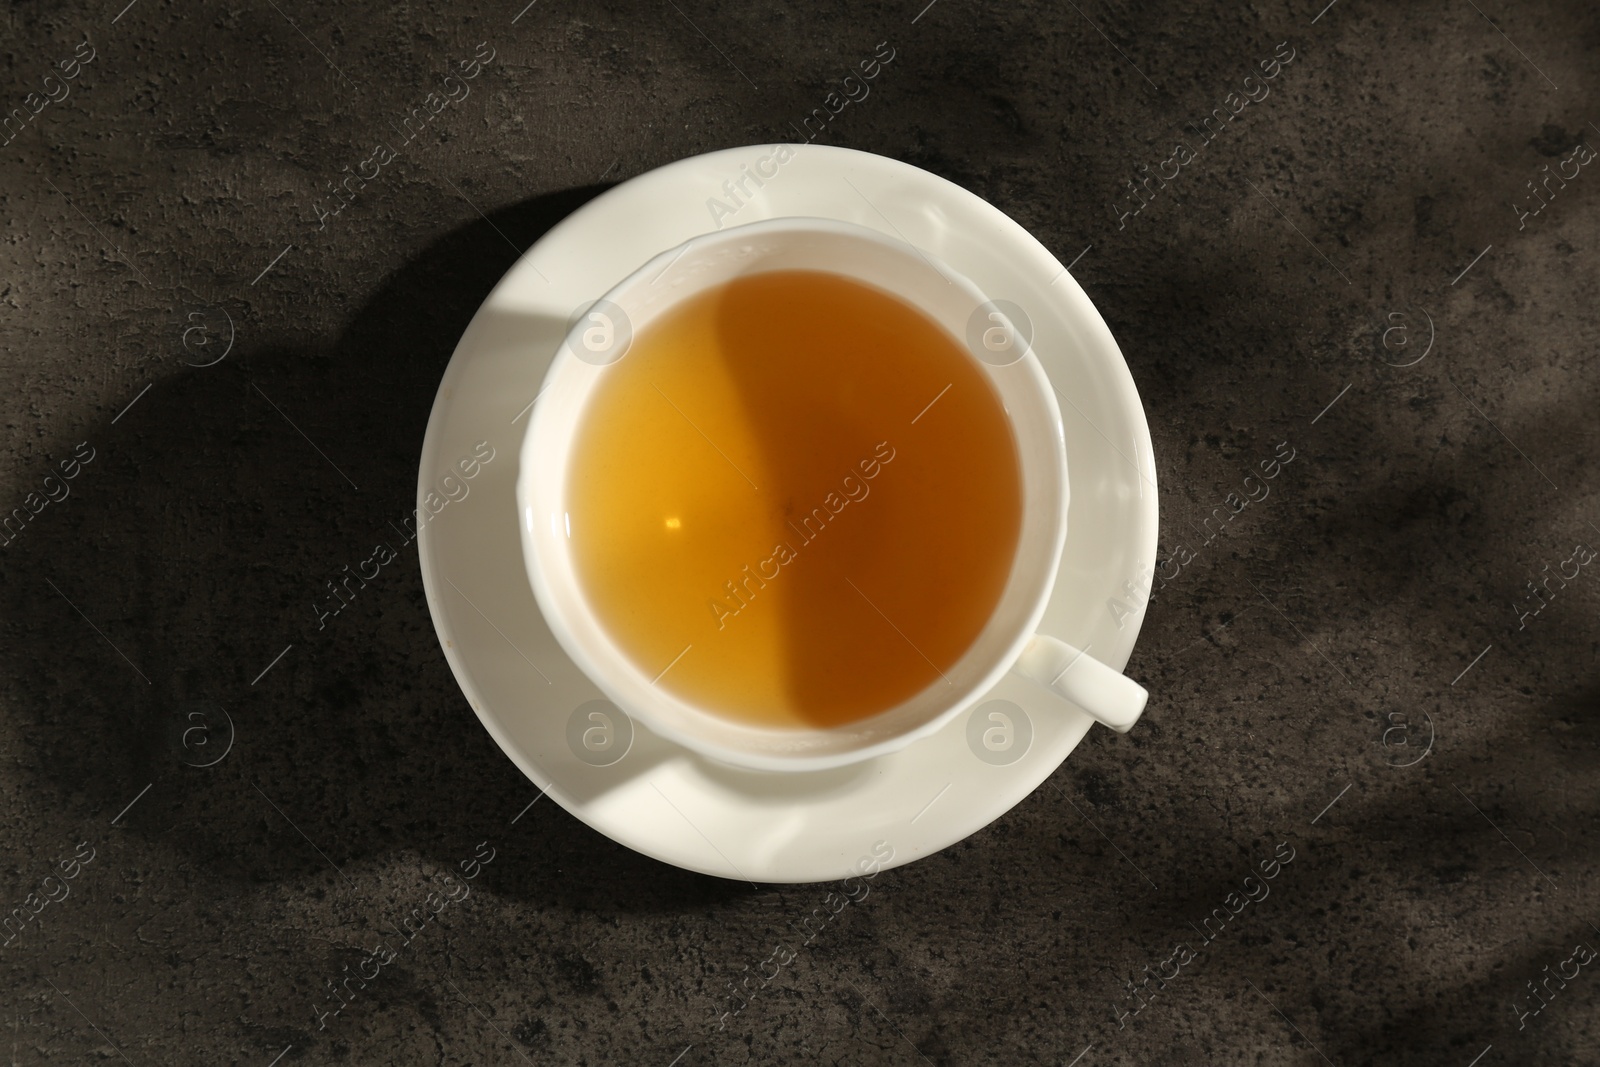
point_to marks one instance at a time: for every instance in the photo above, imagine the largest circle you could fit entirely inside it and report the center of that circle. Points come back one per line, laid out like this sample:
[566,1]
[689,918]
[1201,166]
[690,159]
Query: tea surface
[795,499]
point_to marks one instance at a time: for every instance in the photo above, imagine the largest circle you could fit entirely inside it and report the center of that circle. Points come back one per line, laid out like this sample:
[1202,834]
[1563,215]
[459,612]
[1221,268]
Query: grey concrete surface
[165,196]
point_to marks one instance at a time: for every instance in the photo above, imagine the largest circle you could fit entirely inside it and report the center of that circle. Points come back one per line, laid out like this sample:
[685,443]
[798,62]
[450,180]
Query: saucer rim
[1019,244]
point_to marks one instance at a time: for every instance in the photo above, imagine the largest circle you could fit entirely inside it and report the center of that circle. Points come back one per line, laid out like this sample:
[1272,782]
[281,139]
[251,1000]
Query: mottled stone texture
[1255,289]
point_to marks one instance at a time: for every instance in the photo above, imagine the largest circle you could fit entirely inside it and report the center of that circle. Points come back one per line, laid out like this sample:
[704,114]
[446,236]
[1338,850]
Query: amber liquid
[796,499]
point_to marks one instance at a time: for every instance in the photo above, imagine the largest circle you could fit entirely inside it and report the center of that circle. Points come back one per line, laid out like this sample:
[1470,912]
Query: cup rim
[599,674]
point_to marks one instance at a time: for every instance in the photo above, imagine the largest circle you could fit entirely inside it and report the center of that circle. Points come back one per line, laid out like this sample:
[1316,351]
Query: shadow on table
[164,628]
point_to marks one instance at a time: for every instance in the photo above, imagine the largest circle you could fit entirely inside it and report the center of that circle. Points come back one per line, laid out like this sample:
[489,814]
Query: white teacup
[1007,642]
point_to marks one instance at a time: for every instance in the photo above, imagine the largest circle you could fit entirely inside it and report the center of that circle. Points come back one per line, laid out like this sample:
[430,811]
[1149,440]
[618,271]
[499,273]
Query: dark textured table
[1372,742]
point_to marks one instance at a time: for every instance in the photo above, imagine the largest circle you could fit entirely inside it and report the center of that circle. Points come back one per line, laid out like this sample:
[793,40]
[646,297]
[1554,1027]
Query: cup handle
[1108,695]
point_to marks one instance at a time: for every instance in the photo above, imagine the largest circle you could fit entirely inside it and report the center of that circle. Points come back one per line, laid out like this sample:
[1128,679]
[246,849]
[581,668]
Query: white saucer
[658,798]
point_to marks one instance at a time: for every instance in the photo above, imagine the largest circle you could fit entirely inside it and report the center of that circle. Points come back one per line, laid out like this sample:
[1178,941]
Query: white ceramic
[660,798]
[596,348]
